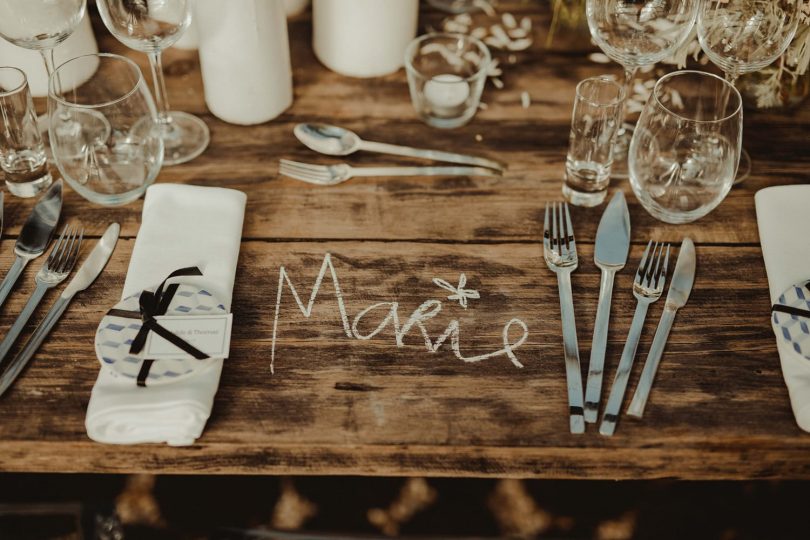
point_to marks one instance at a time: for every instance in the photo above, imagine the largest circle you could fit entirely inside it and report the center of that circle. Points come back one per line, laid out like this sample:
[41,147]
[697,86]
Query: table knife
[610,255]
[34,236]
[679,289]
[84,277]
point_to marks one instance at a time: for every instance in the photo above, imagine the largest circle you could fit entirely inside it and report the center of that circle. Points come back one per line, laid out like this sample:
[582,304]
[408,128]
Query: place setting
[259,305]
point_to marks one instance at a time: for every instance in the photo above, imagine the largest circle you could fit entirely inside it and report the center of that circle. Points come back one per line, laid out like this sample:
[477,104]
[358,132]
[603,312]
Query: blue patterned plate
[115,334]
[794,329]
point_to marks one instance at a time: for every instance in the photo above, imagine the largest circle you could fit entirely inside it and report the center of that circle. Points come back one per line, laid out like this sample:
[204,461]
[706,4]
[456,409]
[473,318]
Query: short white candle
[446,91]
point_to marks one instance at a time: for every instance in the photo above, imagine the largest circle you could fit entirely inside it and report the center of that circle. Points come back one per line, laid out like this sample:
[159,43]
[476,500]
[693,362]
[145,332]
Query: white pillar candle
[446,91]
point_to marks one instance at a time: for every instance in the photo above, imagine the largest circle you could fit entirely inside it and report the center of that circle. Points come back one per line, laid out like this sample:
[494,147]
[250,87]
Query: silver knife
[34,236]
[679,289]
[610,255]
[85,276]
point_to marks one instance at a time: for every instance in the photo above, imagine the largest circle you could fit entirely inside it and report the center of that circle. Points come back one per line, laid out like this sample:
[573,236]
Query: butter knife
[84,277]
[610,255]
[679,289]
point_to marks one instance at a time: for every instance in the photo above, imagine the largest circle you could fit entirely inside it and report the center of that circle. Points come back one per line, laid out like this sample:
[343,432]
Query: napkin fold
[182,226]
[784,222]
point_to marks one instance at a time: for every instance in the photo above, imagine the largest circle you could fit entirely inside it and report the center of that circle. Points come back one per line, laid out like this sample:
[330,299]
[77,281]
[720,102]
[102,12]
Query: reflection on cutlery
[560,253]
[59,264]
[338,141]
[329,175]
[679,289]
[2,204]
[610,255]
[34,236]
[647,288]
[85,276]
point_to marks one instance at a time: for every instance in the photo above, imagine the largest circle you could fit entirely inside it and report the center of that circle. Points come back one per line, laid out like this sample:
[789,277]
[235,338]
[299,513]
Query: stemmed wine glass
[150,26]
[40,25]
[638,33]
[741,36]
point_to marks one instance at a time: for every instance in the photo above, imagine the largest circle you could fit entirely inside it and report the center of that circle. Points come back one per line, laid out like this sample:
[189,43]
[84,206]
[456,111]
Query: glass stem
[50,67]
[629,77]
[161,99]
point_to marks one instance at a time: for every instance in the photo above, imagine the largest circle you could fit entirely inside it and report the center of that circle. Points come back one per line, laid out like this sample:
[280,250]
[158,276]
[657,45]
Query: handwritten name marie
[390,317]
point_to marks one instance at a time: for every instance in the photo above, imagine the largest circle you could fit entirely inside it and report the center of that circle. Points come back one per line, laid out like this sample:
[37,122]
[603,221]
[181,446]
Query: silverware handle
[614,402]
[636,407]
[11,277]
[423,171]
[27,352]
[437,155]
[573,374]
[596,366]
[17,328]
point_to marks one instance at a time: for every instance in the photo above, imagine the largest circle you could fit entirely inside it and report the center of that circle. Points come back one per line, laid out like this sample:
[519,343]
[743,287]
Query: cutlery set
[32,242]
[337,141]
[610,256]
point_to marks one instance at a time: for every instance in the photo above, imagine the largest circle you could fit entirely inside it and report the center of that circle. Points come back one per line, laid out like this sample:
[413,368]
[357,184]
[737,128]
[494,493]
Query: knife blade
[610,255]
[679,290]
[35,235]
[89,271]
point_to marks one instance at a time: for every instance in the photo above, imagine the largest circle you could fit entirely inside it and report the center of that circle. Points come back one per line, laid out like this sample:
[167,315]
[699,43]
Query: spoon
[338,141]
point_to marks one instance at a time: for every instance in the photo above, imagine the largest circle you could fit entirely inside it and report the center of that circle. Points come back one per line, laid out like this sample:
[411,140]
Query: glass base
[583,198]
[621,147]
[30,189]
[184,138]
[744,170]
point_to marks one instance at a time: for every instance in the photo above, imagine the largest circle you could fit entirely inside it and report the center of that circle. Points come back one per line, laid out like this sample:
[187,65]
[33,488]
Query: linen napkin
[182,226]
[784,221]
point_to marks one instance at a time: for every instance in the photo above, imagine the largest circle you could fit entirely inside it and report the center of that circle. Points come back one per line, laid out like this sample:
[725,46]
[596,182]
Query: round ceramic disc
[794,329]
[115,334]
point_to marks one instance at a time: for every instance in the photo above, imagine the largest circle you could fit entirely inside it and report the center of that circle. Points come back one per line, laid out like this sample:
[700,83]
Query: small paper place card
[210,334]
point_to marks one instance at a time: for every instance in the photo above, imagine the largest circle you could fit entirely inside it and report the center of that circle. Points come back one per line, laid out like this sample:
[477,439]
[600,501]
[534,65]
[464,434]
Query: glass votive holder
[596,118]
[446,76]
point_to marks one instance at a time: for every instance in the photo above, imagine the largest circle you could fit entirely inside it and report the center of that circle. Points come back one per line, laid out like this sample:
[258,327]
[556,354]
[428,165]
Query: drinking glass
[638,33]
[149,27]
[22,154]
[446,76]
[40,25]
[741,36]
[596,118]
[686,146]
[105,135]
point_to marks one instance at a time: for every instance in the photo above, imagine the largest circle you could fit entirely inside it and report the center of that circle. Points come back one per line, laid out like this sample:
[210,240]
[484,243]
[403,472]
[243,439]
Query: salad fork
[59,264]
[647,288]
[330,175]
[560,254]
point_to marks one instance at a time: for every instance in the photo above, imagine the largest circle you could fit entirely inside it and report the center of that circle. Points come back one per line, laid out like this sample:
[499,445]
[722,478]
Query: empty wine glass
[638,33]
[40,25]
[150,26]
[741,36]
[105,134]
[686,146]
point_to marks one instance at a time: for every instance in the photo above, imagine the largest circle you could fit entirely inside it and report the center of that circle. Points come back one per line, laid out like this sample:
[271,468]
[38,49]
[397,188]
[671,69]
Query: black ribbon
[799,312]
[155,304]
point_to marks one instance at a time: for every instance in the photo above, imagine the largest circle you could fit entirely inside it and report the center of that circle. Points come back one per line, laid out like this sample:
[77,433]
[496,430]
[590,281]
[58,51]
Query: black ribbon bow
[155,304]
[793,310]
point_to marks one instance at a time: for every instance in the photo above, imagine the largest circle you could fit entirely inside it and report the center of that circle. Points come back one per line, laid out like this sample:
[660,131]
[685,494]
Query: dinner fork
[647,288]
[330,175]
[560,253]
[59,264]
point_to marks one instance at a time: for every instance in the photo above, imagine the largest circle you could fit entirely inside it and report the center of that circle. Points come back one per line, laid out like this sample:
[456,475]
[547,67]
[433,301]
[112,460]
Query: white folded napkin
[182,226]
[784,222]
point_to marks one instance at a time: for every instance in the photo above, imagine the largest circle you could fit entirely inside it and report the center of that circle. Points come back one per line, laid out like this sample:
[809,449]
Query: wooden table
[335,405]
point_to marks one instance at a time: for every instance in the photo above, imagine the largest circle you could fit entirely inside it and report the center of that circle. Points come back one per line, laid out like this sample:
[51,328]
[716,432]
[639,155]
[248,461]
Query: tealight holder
[446,76]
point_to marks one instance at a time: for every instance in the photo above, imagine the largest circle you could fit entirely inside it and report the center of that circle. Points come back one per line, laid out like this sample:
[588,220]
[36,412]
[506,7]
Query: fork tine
[662,277]
[571,238]
[74,256]
[309,170]
[295,170]
[55,250]
[643,264]
[656,272]
[554,236]
[546,231]
[564,252]
[648,272]
[305,166]
[67,253]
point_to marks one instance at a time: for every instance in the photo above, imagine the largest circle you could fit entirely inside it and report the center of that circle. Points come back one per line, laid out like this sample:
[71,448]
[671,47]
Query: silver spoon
[337,141]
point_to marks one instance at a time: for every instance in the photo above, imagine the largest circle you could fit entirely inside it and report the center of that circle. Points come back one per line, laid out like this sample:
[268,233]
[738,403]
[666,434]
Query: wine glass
[150,26]
[40,25]
[105,135]
[638,33]
[741,36]
[686,147]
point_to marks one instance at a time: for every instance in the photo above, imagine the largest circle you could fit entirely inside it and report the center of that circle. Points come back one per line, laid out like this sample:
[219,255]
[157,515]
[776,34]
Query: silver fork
[647,288]
[560,253]
[330,175]
[59,264]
